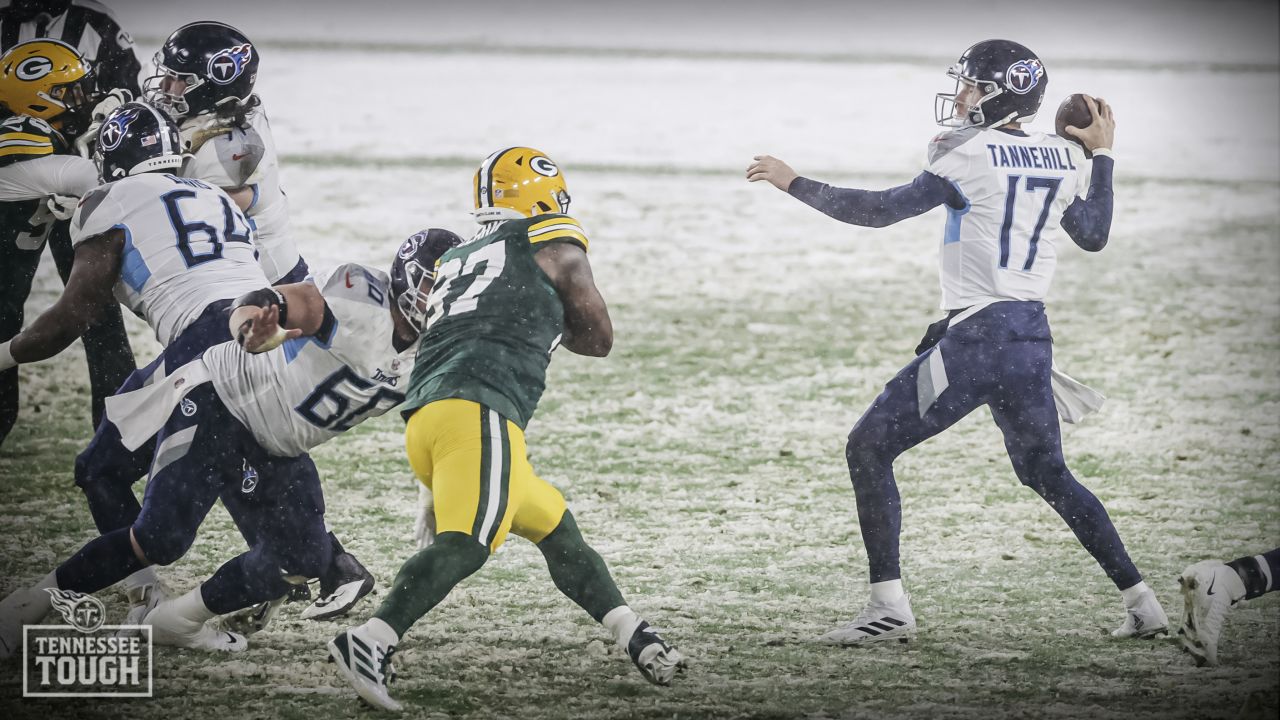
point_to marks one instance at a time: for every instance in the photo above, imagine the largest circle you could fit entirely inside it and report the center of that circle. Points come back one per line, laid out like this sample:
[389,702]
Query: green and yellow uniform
[480,370]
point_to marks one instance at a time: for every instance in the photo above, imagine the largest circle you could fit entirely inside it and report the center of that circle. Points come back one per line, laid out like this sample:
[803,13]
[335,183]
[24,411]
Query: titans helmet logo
[1024,75]
[116,127]
[229,64]
[411,246]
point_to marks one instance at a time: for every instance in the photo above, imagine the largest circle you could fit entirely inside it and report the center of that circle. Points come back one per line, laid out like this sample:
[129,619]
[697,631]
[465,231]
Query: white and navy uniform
[312,388]
[265,410]
[1009,195]
[186,246]
[246,157]
[188,252]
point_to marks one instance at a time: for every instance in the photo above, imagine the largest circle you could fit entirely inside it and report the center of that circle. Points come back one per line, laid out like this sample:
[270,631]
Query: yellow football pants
[475,462]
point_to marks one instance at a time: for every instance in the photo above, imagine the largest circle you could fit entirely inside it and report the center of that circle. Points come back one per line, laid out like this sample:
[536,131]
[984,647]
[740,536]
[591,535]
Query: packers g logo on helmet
[519,182]
[44,79]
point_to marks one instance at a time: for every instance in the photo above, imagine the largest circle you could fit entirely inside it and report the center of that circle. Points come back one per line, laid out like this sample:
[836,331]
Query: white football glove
[62,207]
[105,106]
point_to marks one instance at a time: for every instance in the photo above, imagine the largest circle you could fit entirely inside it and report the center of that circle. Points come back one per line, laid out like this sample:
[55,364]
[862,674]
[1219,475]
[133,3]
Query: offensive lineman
[500,305]
[1008,192]
[176,251]
[205,74]
[344,354]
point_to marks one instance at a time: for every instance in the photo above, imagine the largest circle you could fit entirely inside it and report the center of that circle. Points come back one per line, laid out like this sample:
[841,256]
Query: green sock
[578,570]
[427,577]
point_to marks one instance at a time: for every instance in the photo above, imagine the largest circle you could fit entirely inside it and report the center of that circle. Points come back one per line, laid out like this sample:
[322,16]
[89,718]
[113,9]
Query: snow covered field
[704,457]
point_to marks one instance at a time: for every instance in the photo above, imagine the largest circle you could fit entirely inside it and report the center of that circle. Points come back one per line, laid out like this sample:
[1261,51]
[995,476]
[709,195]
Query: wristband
[1103,152]
[6,356]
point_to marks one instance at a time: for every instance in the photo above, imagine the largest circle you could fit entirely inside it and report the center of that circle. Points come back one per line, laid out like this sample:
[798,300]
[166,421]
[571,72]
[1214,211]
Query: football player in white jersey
[205,73]
[176,251]
[204,79]
[1009,194]
[341,360]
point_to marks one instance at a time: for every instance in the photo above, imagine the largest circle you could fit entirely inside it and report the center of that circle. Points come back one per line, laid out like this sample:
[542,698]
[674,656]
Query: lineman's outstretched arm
[587,327]
[93,274]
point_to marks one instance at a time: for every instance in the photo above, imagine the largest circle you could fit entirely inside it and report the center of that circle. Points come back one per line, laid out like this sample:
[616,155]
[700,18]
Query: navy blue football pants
[1001,357]
[199,456]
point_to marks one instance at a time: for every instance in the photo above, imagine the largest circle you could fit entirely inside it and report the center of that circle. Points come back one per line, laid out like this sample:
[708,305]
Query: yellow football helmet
[519,182]
[45,79]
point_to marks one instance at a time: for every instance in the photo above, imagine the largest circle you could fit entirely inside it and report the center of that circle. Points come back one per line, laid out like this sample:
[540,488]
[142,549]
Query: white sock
[143,577]
[191,607]
[1131,595]
[621,622]
[382,633]
[888,591]
[49,581]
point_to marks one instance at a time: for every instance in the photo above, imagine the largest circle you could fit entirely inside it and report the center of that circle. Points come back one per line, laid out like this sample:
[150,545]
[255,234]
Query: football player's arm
[587,327]
[94,272]
[867,208]
[1088,221]
[262,319]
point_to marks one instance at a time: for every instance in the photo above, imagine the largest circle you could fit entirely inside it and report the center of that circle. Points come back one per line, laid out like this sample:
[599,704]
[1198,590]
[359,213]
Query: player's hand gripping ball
[1073,111]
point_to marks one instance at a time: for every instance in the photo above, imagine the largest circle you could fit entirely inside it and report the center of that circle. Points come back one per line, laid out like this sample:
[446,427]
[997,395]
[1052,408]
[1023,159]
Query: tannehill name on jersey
[1022,156]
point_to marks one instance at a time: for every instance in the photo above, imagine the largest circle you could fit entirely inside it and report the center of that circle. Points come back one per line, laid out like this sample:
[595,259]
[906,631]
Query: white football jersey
[247,158]
[311,388]
[186,245]
[1003,244]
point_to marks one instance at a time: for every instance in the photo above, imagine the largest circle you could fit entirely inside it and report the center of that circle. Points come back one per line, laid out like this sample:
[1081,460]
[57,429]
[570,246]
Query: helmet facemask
[175,104]
[945,105]
[415,299]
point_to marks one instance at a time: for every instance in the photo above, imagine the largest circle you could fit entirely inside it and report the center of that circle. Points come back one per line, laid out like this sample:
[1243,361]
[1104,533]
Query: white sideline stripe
[1266,570]
[495,478]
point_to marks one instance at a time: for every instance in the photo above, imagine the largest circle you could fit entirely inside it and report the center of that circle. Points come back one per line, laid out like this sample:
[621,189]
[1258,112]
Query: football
[1073,111]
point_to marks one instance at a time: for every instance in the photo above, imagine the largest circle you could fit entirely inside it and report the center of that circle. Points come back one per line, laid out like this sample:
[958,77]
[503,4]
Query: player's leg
[106,343]
[19,267]
[1211,589]
[456,448]
[343,583]
[1023,407]
[285,509]
[184,484]
[582,575]
[926,397]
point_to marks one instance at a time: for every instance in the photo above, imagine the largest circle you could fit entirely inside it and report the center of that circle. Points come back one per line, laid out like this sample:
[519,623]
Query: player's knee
[470,553]
[1041,469]
[162,546]
[865,447]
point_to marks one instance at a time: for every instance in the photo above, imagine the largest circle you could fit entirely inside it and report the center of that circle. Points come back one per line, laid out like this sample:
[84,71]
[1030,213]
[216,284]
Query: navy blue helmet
[414,272]
[1010,82]
[137,138]
[203,67]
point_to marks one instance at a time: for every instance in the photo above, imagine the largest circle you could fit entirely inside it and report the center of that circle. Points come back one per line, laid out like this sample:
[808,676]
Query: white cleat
[878,621]
[366,664]
[1144,619]
[1210,590]
[253,619]
[142,600]
[656,660]
[170,627]
[24,606]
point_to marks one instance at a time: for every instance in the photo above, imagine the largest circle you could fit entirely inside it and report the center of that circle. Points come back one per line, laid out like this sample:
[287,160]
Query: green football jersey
[494,320]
